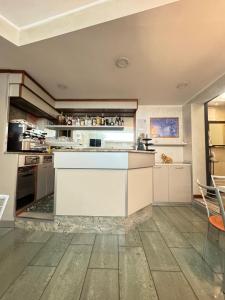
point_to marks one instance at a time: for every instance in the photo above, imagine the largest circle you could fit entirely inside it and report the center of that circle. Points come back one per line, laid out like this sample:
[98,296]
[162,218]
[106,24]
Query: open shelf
[71,127]
[170,144]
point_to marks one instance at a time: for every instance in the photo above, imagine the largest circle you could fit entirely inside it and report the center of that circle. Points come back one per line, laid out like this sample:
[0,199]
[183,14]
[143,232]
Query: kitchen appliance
[26,177]
[22,136]
[95,143]
[25,186]
[147,142]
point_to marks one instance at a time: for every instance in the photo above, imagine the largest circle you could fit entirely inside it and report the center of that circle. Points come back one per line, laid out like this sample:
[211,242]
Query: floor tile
[181,223]
[172,286]
[83,238]
[188,213]
[67,281]
[148,225]
[14,262]
[169,232]
[4,230]
[105,252]
[158,254]
[30,284]
[208,251]
[132,238]
[135,279]
[101,284]
[204,282]
[53,250]
[37,236]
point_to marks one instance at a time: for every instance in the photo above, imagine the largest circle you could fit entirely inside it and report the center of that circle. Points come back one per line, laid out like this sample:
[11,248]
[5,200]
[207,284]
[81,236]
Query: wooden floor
[161,259]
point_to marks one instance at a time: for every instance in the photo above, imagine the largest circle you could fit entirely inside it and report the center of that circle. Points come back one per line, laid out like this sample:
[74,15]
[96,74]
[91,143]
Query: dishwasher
[25,186]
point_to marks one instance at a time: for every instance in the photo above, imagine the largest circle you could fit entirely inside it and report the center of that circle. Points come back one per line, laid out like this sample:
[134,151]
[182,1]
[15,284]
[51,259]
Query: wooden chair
[3,201]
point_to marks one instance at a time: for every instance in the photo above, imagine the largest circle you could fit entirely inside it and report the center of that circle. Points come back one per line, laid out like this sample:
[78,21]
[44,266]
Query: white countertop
[103,159]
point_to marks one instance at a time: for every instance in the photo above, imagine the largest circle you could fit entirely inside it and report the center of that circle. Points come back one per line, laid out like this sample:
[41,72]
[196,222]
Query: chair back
[218,181]
[212,200]
[3,201]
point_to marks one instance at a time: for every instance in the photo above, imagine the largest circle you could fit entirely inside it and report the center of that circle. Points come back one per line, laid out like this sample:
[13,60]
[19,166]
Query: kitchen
[103,140]
[43,132]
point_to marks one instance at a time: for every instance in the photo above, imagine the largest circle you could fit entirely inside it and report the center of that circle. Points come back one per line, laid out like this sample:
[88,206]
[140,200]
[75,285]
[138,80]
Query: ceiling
[37,10]
[25,21]
[179,44]
[218,101]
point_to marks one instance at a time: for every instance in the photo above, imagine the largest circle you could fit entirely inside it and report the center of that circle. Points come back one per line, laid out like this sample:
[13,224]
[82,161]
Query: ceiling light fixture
[182,85]
[122,62]
[61,86]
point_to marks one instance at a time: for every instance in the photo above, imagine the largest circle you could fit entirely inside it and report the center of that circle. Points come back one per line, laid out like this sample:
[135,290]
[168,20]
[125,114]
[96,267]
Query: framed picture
[164,127]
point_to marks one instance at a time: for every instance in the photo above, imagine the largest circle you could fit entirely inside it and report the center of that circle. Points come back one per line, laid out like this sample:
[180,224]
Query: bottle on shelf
[89,122]
[116,121]
[107,123]
[122,122]
[77,123]
[103,120]
[112,122]
[69,121]
[94,121]
[61,119]
[98,121]
[119,122]
[86,121]
[82,122]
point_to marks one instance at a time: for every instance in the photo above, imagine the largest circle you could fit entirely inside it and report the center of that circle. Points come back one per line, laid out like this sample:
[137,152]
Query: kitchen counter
[102,182]
[28,153]
[95,149]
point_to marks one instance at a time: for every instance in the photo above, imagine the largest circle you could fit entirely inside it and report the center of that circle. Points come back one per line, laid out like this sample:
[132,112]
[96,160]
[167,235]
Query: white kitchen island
[97,182]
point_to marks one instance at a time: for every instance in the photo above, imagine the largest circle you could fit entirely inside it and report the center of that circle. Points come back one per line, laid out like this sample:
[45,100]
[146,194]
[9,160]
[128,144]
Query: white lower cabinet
[172,183]
[45,180]
[160,183]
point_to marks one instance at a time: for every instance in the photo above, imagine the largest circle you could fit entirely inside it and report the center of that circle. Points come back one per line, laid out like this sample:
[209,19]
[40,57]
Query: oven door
[25,186]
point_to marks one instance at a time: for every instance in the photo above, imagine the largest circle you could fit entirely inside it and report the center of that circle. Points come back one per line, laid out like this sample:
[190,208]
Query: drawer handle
[157,167]
[179,167]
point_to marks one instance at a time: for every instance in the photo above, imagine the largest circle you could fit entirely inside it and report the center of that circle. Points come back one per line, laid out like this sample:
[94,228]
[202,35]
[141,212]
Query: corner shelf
[72,127]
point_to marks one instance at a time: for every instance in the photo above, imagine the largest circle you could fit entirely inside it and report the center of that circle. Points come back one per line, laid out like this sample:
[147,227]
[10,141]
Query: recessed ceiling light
[61,86]
[182,85]
[122,62]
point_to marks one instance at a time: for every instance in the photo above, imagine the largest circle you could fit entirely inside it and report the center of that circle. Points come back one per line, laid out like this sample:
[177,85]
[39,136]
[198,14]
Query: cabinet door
[50,179]
[180,183]
[41,190]
[160,183]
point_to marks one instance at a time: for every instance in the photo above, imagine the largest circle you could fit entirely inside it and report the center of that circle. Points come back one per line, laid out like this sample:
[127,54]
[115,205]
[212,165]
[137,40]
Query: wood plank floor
[168,257]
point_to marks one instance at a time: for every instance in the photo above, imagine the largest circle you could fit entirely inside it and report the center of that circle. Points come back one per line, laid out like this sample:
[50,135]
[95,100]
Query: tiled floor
[161,259]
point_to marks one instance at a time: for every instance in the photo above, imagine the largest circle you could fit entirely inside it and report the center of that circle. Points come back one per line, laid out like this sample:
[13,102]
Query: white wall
[8,162]
[198,145]
[145,112]
[187,132]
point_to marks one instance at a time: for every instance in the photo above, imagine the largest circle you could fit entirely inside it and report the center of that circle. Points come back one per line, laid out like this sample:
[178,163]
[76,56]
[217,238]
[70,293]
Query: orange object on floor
[217,222]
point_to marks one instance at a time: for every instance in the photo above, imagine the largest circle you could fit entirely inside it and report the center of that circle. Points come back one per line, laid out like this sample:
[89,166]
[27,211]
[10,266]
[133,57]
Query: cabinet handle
[179,167]
[157,167]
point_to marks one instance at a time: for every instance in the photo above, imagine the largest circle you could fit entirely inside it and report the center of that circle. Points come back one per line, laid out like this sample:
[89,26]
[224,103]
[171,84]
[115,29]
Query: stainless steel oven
[25,186]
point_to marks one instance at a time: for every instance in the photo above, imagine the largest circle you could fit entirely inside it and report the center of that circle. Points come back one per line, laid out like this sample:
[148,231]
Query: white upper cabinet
[27,93]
